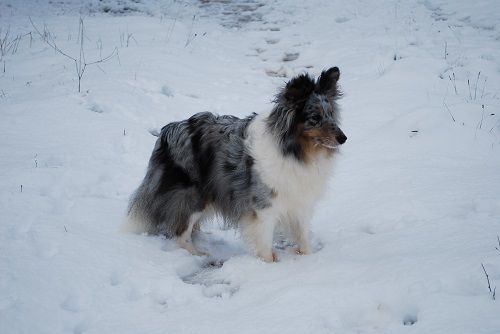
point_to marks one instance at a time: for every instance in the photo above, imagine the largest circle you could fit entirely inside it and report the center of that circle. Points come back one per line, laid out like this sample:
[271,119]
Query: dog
[256,172]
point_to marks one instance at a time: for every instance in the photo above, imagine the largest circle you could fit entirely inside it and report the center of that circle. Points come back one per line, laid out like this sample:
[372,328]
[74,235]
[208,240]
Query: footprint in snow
[81,327]
[291,56]
[272,41]
[213,286]
[167,91]
[342,19]
[21,231]
[278,73]
[116,278]
[410,319]
[45,249]
[72,303]
[96,108]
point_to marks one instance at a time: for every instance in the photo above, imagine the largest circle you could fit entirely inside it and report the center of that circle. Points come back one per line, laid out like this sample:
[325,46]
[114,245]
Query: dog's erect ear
[299,88]
[327,81]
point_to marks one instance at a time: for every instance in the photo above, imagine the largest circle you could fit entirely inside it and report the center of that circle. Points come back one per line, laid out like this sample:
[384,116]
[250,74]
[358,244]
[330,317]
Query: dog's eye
[314,120]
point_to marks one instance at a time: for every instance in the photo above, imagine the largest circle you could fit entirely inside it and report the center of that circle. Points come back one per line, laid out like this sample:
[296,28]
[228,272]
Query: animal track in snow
[272,41]
[117,278]
[81,327]
[72,303]
[291,56]
[410,319]
[212,285]
[279,73]
[96,108]
[46,249]
[342,19]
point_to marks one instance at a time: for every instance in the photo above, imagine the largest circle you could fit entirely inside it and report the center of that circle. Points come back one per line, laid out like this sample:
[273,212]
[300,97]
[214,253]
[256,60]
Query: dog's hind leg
[185,240]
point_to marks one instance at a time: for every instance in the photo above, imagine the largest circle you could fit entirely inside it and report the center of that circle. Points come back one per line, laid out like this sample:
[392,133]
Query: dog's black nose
[341,138]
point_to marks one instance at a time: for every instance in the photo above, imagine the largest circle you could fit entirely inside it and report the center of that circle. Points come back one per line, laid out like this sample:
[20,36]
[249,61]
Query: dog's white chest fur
[298,185]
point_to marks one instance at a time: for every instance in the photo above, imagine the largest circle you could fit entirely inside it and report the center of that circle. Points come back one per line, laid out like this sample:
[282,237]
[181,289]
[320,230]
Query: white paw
[190,248]
[303,250]
[268,257]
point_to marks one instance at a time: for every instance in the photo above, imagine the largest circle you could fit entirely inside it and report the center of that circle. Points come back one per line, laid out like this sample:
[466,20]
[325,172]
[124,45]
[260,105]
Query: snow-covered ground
[412,211]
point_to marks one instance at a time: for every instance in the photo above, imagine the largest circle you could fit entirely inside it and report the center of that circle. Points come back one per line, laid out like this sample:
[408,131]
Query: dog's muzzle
[338,138]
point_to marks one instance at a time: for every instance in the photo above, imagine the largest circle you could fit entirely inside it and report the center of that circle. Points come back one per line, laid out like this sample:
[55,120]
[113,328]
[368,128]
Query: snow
[411,213]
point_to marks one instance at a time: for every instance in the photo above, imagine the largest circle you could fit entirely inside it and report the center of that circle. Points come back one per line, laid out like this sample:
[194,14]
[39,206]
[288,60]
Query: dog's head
[306,116]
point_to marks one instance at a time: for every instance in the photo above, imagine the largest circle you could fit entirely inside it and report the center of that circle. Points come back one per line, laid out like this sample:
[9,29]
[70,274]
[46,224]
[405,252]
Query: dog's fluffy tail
[133,224]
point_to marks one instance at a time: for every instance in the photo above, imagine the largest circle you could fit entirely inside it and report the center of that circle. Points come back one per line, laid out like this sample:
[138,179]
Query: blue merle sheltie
[256,172]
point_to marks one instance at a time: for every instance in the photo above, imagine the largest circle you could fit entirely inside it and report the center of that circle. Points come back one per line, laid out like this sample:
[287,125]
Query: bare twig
[493,292]
[49,40]
[475,88]
[454,83]
[484,86]
[80,62]
[171,29]
[487,277]
[125,39]
[8,44]
[99,46]
[449,111]
[468,84]
[191,37]
[482,117]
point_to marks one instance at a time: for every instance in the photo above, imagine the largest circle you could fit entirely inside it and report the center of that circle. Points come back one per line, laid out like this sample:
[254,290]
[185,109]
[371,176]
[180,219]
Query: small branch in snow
[125,40]
[482,117]
[99,47]
[171,30]
[8,44]
[449,111]
[445,49]
[470,93]
[498,240]
[191,37]
[21,188]
[484,86]
[480,124]
[65,229]
[80,61]
[454,82]
[475,88]
[493,292]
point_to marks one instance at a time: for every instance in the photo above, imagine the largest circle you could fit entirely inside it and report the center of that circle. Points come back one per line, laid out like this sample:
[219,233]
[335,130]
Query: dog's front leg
[300,231]
[258,230]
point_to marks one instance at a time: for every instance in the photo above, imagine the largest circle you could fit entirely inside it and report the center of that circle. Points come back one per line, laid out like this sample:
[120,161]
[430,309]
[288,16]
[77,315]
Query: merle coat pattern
[255,172]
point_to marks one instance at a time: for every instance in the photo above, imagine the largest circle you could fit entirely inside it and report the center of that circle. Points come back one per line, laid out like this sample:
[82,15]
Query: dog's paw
[269,257]
[187,245]
[303,251]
